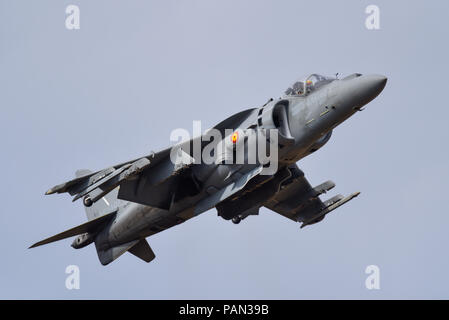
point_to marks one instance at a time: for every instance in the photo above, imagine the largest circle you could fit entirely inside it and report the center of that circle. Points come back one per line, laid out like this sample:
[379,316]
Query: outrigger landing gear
[87,201]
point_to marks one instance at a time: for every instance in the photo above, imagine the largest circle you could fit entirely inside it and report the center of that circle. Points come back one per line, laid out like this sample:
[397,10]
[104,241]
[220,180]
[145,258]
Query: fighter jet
[128,202]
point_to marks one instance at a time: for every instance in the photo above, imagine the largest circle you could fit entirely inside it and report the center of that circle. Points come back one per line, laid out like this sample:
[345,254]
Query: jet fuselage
[311,119]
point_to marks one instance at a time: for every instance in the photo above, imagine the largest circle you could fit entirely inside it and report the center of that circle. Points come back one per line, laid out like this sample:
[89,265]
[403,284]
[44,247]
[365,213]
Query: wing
[299,201]
[153,180]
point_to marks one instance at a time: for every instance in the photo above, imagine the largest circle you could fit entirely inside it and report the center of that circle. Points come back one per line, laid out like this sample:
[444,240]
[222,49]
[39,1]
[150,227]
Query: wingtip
[37,244]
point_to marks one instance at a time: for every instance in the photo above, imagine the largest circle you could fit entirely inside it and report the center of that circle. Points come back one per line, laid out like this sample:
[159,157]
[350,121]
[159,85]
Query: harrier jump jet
[131,201]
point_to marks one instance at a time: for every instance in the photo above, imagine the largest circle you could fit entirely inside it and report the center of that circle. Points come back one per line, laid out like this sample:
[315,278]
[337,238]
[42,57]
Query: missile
[80,183]
[333,204]
[106,184]
[100,182]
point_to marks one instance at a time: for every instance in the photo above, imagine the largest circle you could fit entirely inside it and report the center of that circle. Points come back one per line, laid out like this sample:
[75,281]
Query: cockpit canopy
[308,84]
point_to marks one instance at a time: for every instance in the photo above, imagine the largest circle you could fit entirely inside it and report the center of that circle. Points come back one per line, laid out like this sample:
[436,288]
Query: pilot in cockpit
[298,88]
[309,86]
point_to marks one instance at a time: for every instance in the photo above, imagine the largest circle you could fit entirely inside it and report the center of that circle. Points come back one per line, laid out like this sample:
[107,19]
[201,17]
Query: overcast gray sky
[115,89]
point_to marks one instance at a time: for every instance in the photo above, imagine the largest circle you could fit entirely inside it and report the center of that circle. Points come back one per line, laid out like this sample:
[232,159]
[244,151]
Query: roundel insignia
[235,137]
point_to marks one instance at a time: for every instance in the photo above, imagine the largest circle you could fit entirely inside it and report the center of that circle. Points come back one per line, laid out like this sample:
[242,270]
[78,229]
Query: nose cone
[373,84]
[368,87]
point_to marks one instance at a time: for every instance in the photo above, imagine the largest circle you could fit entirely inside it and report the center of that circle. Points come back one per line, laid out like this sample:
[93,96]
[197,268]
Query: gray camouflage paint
[305,124]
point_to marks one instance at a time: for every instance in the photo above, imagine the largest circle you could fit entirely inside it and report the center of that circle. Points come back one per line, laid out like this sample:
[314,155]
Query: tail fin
[102,206]
[110,254]
[98,210]
[143,251]
[88,227]
[139,248]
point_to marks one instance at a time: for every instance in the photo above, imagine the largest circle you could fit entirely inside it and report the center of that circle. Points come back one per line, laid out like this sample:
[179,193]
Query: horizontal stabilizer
[90,226]
[143,251]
